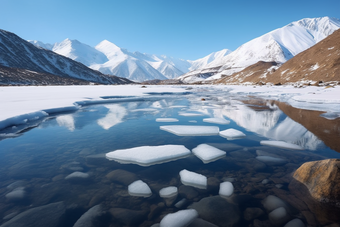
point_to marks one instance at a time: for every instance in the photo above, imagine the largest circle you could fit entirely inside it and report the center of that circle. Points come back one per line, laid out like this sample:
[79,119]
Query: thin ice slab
[215,120]
[193,179]
[191,114]
[208,153]
[166,119]
[179,219]
[149,155]
[281,144]
[232,134]
[168,192]
[139,188]
[190,130]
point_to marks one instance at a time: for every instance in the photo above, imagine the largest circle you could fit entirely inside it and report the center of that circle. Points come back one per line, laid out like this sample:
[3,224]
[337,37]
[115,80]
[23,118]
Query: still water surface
[36,163]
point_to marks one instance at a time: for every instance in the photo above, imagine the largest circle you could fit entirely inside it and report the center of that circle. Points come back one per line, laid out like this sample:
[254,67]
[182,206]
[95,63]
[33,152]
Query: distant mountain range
[257,59]
[23,63]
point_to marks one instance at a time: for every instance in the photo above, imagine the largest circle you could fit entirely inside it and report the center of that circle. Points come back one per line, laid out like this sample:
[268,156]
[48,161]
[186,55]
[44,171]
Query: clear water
[40,158]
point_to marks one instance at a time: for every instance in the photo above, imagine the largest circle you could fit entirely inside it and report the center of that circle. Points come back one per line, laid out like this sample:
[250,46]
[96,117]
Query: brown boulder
[322,178]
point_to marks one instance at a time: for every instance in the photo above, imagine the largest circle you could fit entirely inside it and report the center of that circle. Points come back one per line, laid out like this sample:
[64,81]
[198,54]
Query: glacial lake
[36,164]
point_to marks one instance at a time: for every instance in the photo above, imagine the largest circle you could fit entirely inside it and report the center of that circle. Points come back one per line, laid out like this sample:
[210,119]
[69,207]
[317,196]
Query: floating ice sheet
[166,119]
[181,218]
[168,192]
[193,179]
[232,134]
[281,144]
[208,153]
[139,188]
[149,155]
[220,121]
[191,114]
[189,130]
[145,110]
[226,189]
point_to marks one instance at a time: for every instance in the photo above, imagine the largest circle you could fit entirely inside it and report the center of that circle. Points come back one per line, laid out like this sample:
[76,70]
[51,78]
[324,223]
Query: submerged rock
[322,178]
[122,176]
[91,217]
[128,217]
[218,211]
[48,215]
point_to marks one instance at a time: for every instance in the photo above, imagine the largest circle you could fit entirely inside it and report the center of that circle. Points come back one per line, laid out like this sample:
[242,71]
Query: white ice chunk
[208,153]
[191,114]
[269,160]
[226,189]
[144,110]
[232,134]
[220,121]
[190,130]
[149,155]
[79,175]
[193,179]
[177,106]
[295,223]
[139,188]
[166,119]
[181,218]
[168,192]
[281,144]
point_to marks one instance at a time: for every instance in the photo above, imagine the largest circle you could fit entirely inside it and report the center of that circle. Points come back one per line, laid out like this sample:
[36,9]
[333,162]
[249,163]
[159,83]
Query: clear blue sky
[187,29]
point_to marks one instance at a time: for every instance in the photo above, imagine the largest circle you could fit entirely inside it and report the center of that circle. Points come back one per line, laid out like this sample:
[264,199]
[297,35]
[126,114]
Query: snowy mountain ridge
[108,58]
[278,46]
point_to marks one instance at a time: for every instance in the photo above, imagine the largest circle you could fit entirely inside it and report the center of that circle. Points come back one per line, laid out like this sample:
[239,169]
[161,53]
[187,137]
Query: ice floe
[208,153]
[193,179]
[191,114]
[281,144]
[189,130]
[139,188]
[181,218]
[215,120]
[149,155]
[232,134]
[166,119]
[226,189]
[145,110]
[168,192]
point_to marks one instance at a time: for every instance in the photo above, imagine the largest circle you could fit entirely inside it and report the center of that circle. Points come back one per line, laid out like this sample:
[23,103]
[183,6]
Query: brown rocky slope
[321,62]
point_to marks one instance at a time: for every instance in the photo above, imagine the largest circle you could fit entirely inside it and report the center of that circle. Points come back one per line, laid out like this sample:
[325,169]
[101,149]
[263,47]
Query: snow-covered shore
[22,104]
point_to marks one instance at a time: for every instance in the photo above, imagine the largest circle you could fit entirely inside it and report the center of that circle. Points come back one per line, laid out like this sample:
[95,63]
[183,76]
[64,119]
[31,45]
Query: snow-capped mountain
[277,46]
[108,58]
[211,59]
[18,53]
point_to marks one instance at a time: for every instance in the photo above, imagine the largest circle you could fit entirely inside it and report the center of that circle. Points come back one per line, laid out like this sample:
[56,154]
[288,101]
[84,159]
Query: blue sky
[187,29]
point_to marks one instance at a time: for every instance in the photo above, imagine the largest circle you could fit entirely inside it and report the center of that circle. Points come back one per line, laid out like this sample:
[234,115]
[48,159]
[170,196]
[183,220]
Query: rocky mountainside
[277,46]
[16,76]
[18,53]
[318,63]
